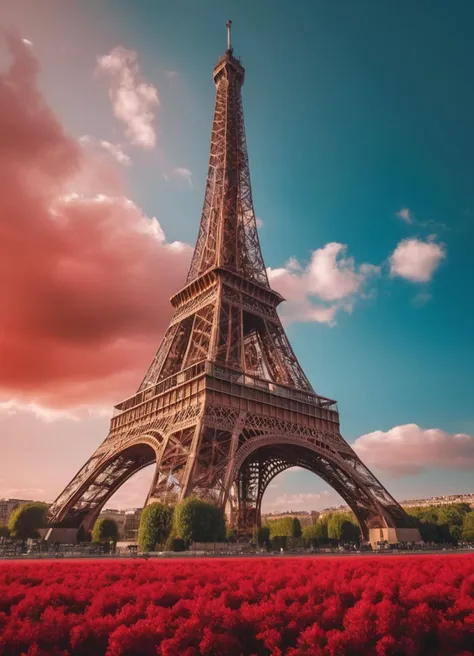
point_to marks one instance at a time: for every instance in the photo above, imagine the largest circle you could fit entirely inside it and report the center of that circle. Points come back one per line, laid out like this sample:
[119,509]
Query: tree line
[174,527]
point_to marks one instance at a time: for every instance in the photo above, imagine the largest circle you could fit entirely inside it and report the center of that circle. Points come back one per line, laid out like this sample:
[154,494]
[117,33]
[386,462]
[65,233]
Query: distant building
[7,506]
[128,521]
[306,517]
[132,523]
[442,500]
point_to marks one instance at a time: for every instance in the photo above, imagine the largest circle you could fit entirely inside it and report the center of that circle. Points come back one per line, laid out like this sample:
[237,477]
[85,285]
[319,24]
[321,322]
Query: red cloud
[85,277]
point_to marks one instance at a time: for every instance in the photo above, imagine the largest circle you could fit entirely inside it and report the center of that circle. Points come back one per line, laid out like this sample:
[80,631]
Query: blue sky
[353,112]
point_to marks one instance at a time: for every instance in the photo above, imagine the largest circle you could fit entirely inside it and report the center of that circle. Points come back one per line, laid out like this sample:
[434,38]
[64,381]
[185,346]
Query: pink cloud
[133,100]
[84,274]
[405,215]
[409,449]
[416,260]
[329,283]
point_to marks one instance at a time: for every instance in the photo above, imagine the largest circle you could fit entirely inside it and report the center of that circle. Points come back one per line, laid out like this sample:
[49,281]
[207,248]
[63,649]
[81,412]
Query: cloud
[422,298]
[84,274]
[26,493]
[329,283]
[133,100]
[12,407]
[27,42]
[171,75]
[183,174]
[115,150]
[258,221]
[409,449]
[296,501]
[416,260]
[405,215]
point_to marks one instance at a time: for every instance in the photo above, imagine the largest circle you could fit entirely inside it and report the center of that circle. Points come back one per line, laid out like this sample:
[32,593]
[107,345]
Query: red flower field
[380,606]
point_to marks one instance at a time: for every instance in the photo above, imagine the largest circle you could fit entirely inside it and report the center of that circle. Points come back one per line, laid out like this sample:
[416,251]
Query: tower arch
[100,478]
[258,462]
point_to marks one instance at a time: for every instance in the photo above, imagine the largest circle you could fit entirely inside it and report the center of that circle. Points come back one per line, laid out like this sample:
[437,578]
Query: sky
[360,136]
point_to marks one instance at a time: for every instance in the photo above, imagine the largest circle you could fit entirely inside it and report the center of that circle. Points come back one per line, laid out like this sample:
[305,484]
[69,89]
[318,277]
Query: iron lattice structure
[225,405]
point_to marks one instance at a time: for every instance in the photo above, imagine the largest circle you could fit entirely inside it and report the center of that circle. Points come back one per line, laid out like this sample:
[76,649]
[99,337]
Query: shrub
[315,534]
[262,535]
[199,521]
[279,542]
[230,535]
[289,526]
[27,519]
[440,523]
[4,532]
[178,544]
[104,530]
[468,527]
[155,526]
[343,527]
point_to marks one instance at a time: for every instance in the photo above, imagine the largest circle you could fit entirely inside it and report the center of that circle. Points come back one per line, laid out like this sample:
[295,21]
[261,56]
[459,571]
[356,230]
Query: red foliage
[405,606]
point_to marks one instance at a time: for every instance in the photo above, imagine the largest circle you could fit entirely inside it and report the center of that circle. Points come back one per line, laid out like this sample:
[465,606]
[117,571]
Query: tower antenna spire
[229,40]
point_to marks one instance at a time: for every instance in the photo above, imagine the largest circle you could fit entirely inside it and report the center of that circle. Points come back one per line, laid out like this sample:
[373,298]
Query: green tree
[310,536]
[199,521]
[468,527]
[289,526]
[4,532]
[104,530]
[440,523]
[342,527]
[155,525]
[262,535]
[178,544]
[296,531]
[230,534]
[452,515]
[315,534]
[279,542]
[27,519]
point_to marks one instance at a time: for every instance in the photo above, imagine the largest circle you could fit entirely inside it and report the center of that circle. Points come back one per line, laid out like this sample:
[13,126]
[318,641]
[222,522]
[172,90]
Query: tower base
[61,535]
[393,535]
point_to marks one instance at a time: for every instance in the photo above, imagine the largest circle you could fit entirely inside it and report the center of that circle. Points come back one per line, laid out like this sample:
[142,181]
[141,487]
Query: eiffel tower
[225,405]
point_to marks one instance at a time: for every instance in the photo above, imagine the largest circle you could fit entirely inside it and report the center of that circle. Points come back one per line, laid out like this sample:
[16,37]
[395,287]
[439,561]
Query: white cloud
[409,449]
[258,221]
[13,407]
[421,298]
[171,75]
[115,150]
[330,282]
[297,501]
[406,215]
[416,260]
[133,99]
[27,42]
[33,493]
[183,174]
